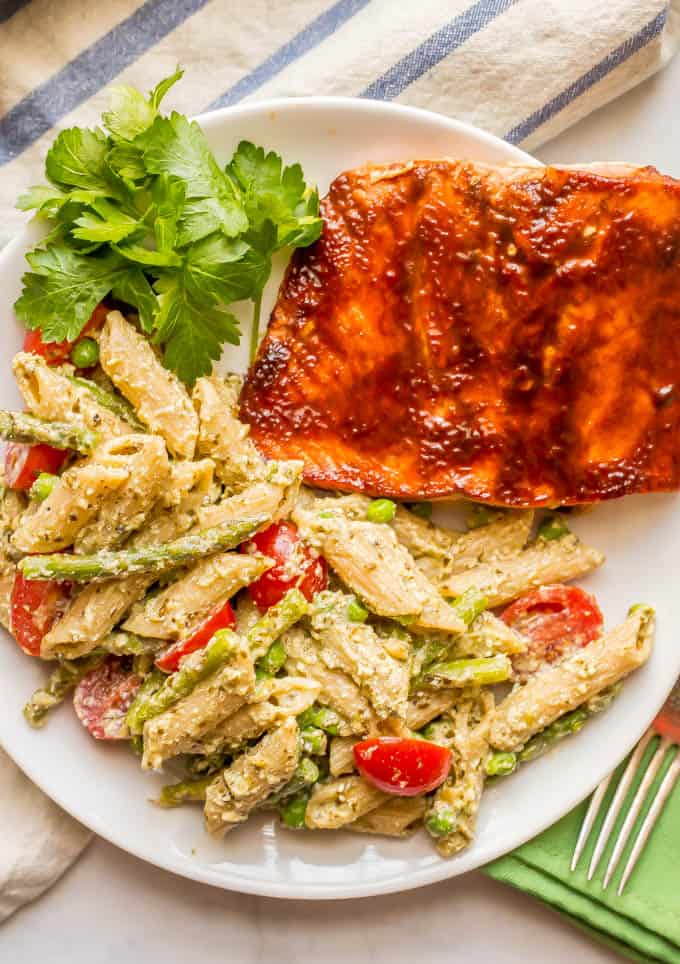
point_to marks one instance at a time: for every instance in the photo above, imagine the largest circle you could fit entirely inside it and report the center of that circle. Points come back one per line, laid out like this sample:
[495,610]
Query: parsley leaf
[142,210]
[64,288]
[192,333]
[78,159]
[131,113]
[275,193]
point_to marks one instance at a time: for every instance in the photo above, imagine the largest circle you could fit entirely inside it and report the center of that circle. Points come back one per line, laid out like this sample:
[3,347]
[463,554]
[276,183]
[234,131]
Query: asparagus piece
[65,567]
[272,661]
[114,403]
[21,427]
[276,620]
[188,791]
[42,487]
[552,527]
[150,685]
[500,763]
[121,643]
[201,766]
[195,668]
[62,680]
[306,774]
[480,671]
[293,811]
[322,718]
[314,740]
[468,606]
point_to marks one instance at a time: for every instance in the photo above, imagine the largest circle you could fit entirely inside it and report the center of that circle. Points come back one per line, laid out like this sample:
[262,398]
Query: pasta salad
[340,660]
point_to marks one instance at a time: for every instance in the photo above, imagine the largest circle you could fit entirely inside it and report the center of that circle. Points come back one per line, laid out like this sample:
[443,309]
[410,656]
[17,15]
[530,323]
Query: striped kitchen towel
[523,69]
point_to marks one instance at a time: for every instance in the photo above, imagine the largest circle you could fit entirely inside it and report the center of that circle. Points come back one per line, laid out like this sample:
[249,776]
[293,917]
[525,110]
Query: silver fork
[666,726]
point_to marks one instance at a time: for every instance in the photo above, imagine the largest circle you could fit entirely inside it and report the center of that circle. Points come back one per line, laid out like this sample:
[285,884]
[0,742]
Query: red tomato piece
[54,352]
[57,352]
[405,768]
[24,463]
[555,619]
[296,565]
[35,605]
[103,697]
[222,618]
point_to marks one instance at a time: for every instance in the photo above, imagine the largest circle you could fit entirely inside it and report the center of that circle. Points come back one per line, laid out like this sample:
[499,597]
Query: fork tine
[589,819]
[617,802]
[657,806]
[635,808]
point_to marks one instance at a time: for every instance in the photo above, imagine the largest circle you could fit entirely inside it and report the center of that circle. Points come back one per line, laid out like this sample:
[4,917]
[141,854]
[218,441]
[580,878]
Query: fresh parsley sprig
[141,210]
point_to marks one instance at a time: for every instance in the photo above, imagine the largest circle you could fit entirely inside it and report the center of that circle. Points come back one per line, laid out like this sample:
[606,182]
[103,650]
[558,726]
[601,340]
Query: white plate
[102,785]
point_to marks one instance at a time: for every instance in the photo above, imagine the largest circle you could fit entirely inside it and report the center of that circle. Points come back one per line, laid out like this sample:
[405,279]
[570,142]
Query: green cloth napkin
[643,924]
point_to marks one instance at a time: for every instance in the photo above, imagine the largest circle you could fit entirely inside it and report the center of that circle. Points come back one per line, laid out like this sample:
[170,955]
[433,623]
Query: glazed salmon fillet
[509,334]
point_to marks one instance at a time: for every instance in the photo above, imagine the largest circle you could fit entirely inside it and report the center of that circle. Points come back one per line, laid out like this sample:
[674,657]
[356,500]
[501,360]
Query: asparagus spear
[203,663]
[20,427]
[195,668]
[114,403]
[188,791]
[276,621]
[65,567]
[477,671]
[501,764]
[468,606]
[272,661]
[63,679]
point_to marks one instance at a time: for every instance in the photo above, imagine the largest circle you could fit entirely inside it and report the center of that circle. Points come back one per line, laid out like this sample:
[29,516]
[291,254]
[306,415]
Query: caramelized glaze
[507,334]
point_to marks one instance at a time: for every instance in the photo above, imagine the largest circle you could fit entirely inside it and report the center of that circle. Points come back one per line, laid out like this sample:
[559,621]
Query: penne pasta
[564,686]
[157,396]
[252,778]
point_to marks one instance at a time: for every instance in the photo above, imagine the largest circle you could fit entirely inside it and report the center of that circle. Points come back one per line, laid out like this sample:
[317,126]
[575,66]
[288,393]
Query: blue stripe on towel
[87,73]
[613,59]
[443,42]
[9,7]
[309,37]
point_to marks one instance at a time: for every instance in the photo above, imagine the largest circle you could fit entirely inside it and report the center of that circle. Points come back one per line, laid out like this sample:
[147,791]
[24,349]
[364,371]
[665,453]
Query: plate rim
[404,879]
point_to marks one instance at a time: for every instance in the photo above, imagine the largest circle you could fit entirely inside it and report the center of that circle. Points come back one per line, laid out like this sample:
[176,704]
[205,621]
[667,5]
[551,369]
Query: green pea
[356,612]
[423,509]
[293,811]
[42,486]
[85,353]
[441,822]
[381,510]
[501,764]
[553,527]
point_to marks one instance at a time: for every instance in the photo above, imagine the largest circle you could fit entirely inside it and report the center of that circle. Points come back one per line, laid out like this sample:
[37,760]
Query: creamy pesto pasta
[343,661]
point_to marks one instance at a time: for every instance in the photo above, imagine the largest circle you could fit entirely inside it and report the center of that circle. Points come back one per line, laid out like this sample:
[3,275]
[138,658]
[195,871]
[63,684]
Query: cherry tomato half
[223,618]
[35,605]
[24,463]
[555,619]
[103,697]
[405,768]
[296,565]
[57,352]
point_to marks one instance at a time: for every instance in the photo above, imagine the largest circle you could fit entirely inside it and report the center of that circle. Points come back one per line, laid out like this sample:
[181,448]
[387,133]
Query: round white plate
[102,785]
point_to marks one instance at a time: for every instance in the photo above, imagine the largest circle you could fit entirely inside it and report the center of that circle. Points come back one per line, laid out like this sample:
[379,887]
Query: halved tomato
[103,697]
[223,618]
[554,619]
[24,463]
[35,606]
[296,565]
[57,352]
[404,768]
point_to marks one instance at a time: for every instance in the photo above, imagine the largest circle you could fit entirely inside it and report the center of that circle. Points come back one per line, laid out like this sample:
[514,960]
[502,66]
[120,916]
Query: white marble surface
[111,907]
